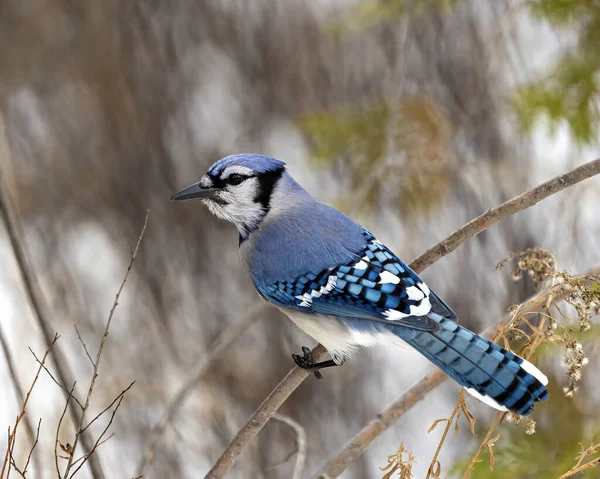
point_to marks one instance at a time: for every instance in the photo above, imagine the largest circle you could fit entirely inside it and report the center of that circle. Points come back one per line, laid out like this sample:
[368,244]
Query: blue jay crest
[346,289]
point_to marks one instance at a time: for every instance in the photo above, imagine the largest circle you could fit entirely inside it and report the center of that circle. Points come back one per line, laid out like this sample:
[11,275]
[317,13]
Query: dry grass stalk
[581,466]
[18,389]
[435,468]
[488,443]
[12,433]
[80,427]
[401,463]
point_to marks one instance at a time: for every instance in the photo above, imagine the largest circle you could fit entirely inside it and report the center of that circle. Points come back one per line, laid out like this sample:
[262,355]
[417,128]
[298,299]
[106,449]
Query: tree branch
[223,341]
[295,377]
[34,293]
[503,211]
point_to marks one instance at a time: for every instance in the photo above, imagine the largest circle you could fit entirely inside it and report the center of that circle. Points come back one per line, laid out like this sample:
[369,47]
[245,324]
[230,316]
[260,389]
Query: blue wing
[376,285]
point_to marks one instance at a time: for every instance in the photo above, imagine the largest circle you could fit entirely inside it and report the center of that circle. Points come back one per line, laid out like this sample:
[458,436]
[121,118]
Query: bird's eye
[235,179]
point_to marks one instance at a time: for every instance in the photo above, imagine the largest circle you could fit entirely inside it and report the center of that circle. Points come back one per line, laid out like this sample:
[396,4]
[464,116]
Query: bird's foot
[305,361]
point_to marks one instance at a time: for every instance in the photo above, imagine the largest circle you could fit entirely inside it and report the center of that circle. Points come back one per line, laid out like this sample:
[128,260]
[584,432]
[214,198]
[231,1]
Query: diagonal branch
[222,342]
[34,293]
[295,377]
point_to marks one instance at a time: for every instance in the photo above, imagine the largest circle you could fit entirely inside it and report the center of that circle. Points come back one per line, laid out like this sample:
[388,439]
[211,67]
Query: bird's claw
[305,361]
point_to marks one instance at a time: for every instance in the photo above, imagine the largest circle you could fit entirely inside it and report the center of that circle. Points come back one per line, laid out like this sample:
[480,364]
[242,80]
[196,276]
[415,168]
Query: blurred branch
[300,443]
[33,291]
[226,338]
[18,391]
[295,377]
[88,454]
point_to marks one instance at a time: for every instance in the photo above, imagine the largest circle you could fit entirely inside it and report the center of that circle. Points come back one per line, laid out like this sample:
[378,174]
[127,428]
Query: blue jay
[344,288]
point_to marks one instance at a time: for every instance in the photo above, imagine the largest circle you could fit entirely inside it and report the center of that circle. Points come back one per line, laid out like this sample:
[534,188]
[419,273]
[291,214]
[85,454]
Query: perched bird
[344,288]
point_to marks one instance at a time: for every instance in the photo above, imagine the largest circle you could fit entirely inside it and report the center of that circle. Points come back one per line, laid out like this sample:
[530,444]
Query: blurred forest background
[413,116]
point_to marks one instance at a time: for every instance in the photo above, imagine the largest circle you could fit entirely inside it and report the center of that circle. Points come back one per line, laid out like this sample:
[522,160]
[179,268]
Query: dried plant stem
[225,339]
[483,445]
[80,429]
[295,377]
[580,466]
[18,390]
[449,421]
[11,436]
[34,293]
[588,465]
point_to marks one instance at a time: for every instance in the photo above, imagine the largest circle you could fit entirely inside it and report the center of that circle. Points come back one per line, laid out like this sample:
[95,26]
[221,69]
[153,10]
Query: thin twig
[121,394]
[56,440]
[84,346]
[99,441]
[80,429]
[483,445]
[33,290]
[449,421]
[580,466]
[11,450]
[55,381]
[37,438]
[11,437]
[300,443]
[216,348]
[295,377]
[17,388]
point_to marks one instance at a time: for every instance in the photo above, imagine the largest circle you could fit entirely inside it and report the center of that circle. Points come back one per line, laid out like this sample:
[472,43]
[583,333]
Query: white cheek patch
[486,399]
[307,298]
[241,209]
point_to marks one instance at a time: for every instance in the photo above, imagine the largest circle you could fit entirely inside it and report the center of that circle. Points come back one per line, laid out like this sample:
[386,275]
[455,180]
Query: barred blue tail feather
[494,375]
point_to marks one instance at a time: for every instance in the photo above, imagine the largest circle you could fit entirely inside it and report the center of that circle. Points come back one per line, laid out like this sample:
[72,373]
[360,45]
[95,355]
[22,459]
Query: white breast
[339,340]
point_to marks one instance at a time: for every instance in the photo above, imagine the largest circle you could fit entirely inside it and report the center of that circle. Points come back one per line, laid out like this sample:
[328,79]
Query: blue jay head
[238,189]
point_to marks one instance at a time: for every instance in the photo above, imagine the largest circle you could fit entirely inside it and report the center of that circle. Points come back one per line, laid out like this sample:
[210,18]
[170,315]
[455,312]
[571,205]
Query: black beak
[195,191]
